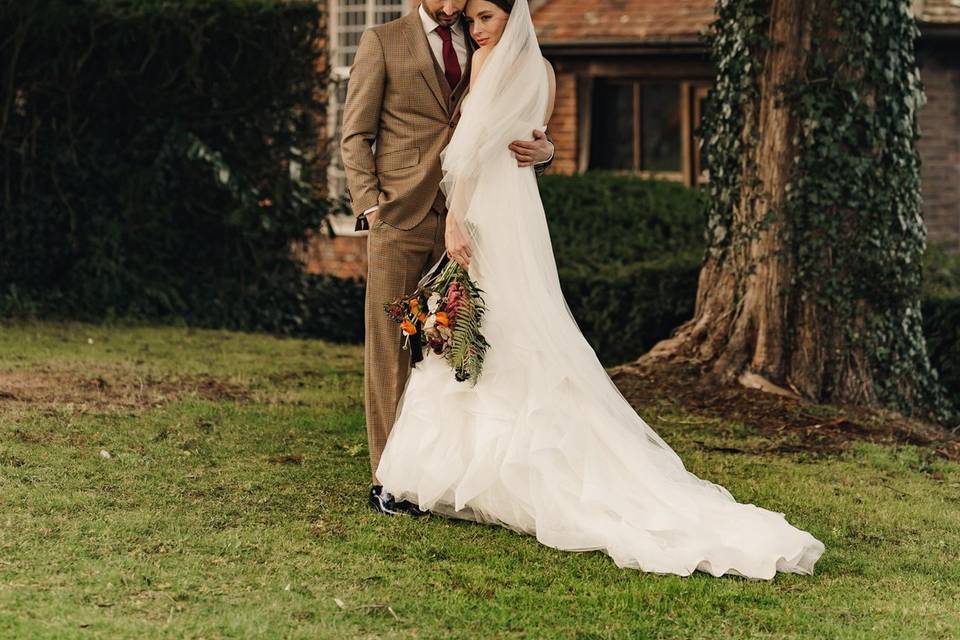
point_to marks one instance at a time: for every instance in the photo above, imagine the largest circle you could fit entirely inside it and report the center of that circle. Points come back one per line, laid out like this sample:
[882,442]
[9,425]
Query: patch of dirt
[108,389]
[791,425]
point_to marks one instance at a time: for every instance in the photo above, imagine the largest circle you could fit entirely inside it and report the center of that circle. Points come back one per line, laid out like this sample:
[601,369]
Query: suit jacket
[398,98]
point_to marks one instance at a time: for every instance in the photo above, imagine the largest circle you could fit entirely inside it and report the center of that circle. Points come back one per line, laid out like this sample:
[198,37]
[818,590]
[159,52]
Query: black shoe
[382,503]
[409,508]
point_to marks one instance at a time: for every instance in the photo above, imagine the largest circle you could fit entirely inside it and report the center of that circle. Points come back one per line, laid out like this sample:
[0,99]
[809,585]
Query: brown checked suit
[399,115]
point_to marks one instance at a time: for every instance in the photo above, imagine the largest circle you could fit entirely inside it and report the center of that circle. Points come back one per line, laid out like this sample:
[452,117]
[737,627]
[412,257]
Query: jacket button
[452,125]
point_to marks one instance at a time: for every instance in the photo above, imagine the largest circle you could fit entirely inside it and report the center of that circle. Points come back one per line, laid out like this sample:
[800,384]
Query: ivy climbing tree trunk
[811,282]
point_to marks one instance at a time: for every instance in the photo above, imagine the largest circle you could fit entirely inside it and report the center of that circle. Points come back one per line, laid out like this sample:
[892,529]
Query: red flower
[454,297]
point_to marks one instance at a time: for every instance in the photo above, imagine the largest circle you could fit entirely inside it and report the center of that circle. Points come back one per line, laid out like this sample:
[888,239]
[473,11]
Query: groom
[408,79]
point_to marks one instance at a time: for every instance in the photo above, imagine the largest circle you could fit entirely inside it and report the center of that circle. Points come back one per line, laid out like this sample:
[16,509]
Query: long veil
[507,102]
[498,205]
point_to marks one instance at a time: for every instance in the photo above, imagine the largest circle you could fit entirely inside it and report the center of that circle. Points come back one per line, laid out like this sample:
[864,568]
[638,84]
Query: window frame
[689,108]
[700,176]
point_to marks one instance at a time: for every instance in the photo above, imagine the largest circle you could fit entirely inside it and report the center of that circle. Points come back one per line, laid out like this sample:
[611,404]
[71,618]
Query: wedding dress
[544,443]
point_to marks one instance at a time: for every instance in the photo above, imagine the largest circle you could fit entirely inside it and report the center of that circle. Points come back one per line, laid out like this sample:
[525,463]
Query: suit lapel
[419,48]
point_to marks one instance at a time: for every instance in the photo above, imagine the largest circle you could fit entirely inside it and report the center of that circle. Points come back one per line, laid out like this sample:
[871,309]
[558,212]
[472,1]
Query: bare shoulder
[551,78]
[480,54]
[476,62]
[551,74]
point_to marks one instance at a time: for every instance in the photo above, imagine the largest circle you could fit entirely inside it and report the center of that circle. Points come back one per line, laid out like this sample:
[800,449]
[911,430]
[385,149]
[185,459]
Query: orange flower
[442,319]
[414,304]
[422,317]
[408,328]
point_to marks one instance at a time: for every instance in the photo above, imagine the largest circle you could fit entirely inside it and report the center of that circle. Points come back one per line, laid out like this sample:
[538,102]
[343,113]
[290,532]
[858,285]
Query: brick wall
[344,256]
[939,148]
[563,124]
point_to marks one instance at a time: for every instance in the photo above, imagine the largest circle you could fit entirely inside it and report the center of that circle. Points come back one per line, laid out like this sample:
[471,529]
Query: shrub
[941,273]
[629,252]
[941,323]
[158,158]
[601,218]
[623,310]
[941,316]
[334,308]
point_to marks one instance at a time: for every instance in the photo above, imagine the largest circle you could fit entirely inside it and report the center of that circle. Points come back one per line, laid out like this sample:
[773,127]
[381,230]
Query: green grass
[233,506]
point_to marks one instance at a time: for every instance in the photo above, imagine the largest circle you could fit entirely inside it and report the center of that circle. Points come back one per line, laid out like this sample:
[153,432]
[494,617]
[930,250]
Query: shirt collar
[429,24]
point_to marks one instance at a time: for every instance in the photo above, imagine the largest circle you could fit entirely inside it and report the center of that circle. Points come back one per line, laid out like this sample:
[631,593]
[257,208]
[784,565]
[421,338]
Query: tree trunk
[757,319]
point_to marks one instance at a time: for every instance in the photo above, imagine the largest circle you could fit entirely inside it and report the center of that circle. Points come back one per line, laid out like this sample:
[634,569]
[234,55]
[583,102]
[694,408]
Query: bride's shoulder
[551,74]
[479,57]
[480,54]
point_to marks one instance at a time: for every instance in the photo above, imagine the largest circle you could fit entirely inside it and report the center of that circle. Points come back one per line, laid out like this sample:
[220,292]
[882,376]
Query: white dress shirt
[436,42]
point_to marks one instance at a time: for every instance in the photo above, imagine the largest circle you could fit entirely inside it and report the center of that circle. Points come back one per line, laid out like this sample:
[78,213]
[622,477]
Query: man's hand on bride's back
[531,152]
[457,244]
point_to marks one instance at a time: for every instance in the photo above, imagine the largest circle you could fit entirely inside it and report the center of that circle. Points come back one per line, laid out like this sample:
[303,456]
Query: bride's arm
[552,83]
[539,153]
[455,240]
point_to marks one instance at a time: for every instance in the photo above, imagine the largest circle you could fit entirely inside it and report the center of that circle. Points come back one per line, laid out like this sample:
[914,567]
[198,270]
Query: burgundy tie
[451,65]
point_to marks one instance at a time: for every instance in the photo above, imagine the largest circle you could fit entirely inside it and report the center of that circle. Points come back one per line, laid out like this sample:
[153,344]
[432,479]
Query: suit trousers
[396,260]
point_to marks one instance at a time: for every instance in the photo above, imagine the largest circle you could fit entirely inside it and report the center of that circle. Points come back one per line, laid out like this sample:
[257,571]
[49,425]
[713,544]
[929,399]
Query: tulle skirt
[545,444]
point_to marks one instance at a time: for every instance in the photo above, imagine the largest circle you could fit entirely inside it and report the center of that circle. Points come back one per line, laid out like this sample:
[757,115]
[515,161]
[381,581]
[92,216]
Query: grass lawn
[232,505]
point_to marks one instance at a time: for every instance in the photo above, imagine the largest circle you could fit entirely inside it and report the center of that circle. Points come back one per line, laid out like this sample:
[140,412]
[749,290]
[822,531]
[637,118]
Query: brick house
[631,79]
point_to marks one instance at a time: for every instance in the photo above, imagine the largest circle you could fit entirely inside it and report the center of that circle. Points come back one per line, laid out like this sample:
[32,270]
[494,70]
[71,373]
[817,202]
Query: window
[613,126]
[645,126]
[351,17]
[348,20]
[660,131]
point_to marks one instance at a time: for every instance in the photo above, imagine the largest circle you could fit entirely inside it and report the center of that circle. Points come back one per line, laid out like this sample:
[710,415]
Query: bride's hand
[458,247]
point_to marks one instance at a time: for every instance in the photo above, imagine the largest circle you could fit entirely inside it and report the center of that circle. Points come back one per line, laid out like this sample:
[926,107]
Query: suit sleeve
[361,122]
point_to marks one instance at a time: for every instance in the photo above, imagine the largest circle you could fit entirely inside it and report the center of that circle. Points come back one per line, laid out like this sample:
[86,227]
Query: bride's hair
[506,5]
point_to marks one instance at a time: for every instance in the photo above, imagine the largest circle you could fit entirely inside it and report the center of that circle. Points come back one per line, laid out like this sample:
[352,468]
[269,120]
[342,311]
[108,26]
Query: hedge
[159,158]
[941,316]
[623,310]
[628,252]
[941,322]
[602,218]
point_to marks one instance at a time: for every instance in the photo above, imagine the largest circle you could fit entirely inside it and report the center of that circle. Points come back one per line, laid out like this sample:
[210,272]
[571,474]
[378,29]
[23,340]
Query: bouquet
[444,314]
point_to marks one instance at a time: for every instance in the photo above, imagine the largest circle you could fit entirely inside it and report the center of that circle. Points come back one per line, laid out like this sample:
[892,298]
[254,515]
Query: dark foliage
[158,159]
[602,218]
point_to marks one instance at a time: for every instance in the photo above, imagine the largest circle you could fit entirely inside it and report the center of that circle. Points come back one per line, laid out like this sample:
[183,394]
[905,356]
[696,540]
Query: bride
[544,443]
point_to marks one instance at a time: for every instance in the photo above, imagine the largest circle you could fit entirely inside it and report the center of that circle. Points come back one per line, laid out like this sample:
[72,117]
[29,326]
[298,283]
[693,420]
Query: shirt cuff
[552,153]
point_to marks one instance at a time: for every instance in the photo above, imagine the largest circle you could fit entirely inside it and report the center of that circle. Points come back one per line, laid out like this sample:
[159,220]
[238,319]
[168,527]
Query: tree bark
[751,322]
